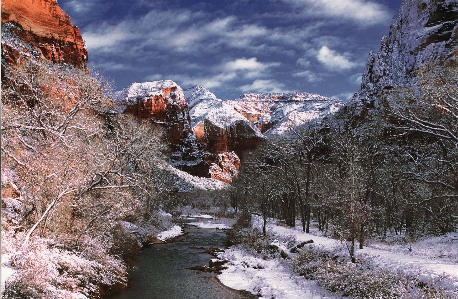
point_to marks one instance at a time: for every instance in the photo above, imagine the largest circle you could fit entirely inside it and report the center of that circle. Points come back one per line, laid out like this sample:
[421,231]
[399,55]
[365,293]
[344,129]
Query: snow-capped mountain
[209,134]
[423,33]
[277,113]
[270,113]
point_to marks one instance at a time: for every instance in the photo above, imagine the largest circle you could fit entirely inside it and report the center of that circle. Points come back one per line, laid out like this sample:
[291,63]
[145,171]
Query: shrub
[46,271]
[365,280]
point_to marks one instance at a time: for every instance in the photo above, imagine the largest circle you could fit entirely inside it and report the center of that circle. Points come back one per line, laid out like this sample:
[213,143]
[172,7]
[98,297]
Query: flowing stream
[162,270]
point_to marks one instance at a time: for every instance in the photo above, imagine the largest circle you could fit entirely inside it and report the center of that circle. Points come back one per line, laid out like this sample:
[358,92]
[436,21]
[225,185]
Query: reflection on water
[162,270]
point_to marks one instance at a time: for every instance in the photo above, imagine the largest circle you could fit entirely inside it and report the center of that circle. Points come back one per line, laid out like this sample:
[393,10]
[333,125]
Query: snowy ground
[272,279]
[171,233]
[6,270]
[266,278]
[423,257]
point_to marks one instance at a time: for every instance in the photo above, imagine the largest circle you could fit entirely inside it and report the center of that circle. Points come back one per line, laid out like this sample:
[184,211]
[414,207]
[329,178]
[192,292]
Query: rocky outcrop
[278,113]
[424,33]
[160,101]
[225,168]
[228,128]
[45,26]
[209,135]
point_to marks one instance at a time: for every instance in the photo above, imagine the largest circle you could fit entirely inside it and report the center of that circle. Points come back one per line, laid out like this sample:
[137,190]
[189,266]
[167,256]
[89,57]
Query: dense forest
[389,169]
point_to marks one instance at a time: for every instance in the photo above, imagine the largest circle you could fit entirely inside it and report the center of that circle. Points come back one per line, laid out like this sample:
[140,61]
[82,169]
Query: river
[162,270]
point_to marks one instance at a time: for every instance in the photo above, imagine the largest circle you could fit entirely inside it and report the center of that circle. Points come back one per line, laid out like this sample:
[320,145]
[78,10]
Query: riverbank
[165,270]
[432,262]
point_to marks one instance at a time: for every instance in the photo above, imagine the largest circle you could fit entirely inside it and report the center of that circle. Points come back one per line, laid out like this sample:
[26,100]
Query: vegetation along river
[162,270]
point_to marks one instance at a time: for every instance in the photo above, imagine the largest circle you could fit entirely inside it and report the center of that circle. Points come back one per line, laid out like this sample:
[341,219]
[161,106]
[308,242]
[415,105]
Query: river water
[162,270]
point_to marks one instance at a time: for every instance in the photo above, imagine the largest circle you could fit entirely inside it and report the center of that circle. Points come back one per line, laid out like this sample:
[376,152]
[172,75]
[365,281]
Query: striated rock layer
[161,101]
[424,33]
[43,24]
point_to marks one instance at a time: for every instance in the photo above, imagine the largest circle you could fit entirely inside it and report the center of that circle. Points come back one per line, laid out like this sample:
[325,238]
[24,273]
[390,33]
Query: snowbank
[422,257]
[173,232]
[208,221]
[6,270]
[273,278]
[266,278]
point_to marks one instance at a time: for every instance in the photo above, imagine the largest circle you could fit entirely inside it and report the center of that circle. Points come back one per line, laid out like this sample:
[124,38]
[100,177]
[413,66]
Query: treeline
[82,186]
[391,168]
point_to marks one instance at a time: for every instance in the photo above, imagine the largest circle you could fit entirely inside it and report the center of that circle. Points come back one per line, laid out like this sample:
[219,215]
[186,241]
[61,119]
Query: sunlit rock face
[218,125]
[210,135]
[280,113]
[423,33]
[161,101]
[45,26]
[225,168]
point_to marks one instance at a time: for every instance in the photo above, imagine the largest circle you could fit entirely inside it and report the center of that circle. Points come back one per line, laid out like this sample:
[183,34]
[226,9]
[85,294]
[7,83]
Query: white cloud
[260,85]
[251,64]
[112,66]
[333,60]
[304,62]
[224,73]
[356,79]
[244,64]
[309,76]
[361,11]
[106,40]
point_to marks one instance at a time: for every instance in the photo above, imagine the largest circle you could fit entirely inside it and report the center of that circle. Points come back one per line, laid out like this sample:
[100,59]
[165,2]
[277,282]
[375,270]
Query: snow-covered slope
[277,113]
[130,95]
[271,113]
[422,35]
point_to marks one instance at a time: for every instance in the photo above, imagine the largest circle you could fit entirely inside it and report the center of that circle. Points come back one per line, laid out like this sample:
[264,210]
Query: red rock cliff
[161,101]
[48,28]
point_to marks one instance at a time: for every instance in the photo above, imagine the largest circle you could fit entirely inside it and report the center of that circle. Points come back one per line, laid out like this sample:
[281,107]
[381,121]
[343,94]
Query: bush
[46,271]
[364,280]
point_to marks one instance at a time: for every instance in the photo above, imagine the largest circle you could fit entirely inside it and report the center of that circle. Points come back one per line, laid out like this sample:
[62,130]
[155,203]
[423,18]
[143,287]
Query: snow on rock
[422,34]
[171,233]
[187,182]
[277,113]
[198,94]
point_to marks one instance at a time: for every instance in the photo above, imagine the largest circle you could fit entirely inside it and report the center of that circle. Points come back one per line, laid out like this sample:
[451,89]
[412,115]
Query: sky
[233,47]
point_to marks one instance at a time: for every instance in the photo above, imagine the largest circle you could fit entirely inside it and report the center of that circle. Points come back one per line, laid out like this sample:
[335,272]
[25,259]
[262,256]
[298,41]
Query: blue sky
[234,46]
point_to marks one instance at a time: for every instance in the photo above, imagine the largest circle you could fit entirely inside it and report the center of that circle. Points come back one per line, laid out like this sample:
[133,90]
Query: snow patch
[6,270]
[171,233]
[266,278]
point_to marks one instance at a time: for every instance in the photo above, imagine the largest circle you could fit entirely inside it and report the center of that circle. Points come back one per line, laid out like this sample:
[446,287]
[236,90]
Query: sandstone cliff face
[225,168]
[160,101]
[424,32]
[43,24]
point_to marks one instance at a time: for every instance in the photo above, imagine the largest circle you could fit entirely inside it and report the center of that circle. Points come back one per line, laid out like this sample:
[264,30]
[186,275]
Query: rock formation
[277,113]
[225,168]
[161,101]
[424,32]
[228,128]
[45,26]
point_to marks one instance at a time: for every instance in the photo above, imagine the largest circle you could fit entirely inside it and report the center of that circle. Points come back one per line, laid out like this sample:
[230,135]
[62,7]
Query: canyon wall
[45,26]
